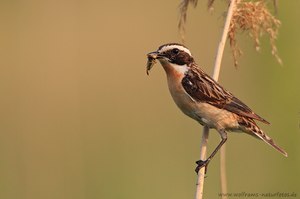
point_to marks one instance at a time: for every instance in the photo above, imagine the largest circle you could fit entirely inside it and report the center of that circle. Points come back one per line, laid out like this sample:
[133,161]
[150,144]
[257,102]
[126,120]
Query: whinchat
[202,98]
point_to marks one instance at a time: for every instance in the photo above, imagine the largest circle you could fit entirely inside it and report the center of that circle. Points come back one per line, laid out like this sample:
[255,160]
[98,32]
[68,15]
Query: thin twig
[203,146]
[221,47]
[201,173]
[216,73]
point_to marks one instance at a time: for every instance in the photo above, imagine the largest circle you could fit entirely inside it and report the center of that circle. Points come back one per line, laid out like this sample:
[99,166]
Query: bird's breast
[202,112]
[186,104]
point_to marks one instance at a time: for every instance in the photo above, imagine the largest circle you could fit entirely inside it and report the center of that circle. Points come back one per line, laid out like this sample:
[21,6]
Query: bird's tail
[251,128]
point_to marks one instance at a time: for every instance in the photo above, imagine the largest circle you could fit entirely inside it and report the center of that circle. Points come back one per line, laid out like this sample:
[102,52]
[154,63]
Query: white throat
[179,69]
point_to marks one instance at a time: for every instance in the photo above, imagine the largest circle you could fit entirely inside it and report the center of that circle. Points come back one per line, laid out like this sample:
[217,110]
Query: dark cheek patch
[182,58]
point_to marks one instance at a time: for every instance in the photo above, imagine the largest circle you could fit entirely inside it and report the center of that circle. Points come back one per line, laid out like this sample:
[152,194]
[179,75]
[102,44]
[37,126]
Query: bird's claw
[200,164]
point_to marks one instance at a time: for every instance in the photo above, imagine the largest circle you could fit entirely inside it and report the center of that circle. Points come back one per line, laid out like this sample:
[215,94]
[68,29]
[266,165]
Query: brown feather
[249,126]
[203,88]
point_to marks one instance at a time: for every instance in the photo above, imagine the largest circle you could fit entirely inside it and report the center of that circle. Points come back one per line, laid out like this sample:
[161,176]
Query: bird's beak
[151,60]
[152,55]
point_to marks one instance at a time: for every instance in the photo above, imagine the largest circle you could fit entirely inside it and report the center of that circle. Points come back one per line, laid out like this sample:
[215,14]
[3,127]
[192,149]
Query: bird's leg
[204,163]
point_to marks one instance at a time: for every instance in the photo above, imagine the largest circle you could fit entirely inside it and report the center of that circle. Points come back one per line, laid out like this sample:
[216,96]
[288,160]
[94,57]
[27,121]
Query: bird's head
[172,57]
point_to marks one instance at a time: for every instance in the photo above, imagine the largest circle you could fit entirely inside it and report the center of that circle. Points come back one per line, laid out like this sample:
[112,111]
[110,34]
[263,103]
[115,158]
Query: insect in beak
[151,61]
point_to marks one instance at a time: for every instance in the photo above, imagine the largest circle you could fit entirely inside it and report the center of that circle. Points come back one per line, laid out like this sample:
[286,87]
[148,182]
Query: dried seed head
[255,19]
[252,17]
[183,7]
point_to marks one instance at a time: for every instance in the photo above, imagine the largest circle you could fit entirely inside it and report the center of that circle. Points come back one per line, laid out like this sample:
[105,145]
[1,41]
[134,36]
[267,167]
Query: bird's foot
[200,164]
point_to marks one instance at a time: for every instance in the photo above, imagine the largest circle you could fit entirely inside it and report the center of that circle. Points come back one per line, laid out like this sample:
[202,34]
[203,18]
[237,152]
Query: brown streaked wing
[203,88]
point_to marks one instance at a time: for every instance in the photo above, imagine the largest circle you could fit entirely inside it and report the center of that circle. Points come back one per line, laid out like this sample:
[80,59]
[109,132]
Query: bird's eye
[175,51]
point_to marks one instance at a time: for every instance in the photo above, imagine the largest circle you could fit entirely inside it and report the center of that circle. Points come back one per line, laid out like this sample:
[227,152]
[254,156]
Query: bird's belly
[204,113]
[185,104]
[215,117]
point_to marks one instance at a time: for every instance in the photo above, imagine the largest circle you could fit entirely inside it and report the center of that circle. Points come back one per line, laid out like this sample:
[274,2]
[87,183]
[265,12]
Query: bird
[203,99]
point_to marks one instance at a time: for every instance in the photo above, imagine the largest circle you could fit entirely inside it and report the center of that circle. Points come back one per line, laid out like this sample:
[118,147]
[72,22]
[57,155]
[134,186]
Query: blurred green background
[80,118]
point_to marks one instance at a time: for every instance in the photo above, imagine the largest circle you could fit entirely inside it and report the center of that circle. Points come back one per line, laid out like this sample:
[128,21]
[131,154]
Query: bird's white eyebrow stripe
[166,48]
